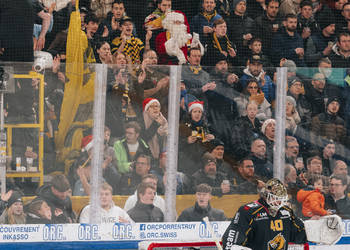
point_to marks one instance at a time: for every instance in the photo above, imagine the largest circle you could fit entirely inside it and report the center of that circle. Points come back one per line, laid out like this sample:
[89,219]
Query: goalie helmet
[275,195]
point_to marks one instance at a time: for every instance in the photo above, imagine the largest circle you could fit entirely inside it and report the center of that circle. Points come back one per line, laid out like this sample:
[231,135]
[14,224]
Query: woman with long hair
[14,214]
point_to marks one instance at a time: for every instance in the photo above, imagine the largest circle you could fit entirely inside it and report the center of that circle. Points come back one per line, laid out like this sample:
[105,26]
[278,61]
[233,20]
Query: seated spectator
[154,128]
[290,176]
[253,93]
[303,107]
[328,161]
[127,43]
[312,198]
[13,214]
[262,166]
[240,26]
[337,200]
[130,147]
[172,45]
[4,199]
[268,131]
[109,212]
[183,182]
[218,151]
[202,207]
[254,70]
[56,195]
[130,180]
[307,25]
[256,48]
[203,22]
[287,43]
[211,176]
[244,180]
[267,25]
[313,167]
[341,168]
[292,153]
[38,212]
[320,44]
[244,130]
[292,116]
[218,44]
[341,52]
[329,124]
[158,201]
[342,16]
[195,137]
[144,210]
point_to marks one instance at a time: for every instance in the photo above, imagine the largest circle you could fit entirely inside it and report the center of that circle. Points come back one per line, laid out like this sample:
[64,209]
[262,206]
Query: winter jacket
[313,202]
[68,216]
[338,60]
[263,168]
[200,177]
[146,213]
[121,151]
[199,21]
[315,45]
[341,206]
[196,213]
[35,219]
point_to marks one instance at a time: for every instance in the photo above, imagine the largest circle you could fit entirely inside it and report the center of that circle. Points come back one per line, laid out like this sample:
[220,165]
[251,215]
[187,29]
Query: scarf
[217,43]
[209,16]
[195,69]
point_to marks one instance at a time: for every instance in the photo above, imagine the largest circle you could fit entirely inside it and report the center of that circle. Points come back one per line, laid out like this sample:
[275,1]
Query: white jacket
[131,202]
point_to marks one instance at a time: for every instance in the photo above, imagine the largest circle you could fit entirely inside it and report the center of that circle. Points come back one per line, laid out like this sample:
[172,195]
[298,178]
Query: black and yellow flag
[77,107]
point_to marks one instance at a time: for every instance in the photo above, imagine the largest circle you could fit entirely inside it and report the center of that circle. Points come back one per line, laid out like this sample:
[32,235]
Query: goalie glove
[238,247]
[327,230]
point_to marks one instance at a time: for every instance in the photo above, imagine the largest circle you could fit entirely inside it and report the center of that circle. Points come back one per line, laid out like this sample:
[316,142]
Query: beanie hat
[325,20]
[148,101]
[291,100]
[217,142]
[292,80]
[195,104]
[235,2]
[86,143]
[206,158]
[219,57]
[267,122]
[332,99]
[15,197]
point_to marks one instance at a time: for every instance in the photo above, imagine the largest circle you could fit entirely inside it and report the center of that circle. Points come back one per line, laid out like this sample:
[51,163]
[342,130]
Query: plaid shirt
[133,48]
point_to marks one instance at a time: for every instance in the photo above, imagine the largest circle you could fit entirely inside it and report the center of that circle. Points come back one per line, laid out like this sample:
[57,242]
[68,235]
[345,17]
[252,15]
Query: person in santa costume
[173,44]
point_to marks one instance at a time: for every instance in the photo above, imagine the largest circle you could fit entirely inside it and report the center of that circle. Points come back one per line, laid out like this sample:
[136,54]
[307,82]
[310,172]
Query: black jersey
[255,228]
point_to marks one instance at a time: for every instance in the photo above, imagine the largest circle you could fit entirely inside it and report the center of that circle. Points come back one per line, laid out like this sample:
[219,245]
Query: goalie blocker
[269,224]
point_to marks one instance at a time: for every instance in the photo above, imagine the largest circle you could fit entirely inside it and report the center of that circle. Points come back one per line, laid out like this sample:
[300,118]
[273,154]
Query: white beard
[179,33]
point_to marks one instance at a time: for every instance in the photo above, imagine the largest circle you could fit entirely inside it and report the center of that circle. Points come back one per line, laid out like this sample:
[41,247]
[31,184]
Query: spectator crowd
[228,50]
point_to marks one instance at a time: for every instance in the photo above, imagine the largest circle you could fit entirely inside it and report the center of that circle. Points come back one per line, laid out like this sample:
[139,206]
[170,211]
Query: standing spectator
[255,48]
[340,56]
[292,153]
[245,181]
[290,176]
[210,175]
[130,147]
[328,161]
[342,16]
[56,195]
[254,70]
[287,43]
[158,201]
[13,214]
[203,22]
[292,115]
[218,151]
[202,207]
[341,168]
[337,200]
[109,212]
[268,130]
[289,7]
[320,44]
[312,198]
[267,25]
[256,8]
[144,210]
[127,43]
[307,25]
[240,26]
[262,167]
[154,126]
[329,124]
[104,55]
[217,44]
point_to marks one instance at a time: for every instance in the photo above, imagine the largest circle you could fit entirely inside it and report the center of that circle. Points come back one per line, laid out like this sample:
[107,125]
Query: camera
[43,60]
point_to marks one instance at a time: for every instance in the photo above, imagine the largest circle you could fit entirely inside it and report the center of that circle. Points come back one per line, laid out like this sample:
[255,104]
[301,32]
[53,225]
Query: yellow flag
[77,106]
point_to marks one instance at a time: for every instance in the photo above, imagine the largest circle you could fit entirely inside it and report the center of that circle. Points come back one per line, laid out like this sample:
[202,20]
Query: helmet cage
[275,202]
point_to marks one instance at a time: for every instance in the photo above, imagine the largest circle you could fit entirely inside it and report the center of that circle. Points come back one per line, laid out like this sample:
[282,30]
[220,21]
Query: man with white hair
[172,45]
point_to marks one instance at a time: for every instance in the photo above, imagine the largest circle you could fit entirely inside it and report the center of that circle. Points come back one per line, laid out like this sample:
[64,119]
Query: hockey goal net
[208,245]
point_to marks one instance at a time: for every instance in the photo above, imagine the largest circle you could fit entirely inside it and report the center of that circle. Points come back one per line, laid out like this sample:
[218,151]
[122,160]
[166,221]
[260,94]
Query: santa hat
[148,101]
[195,104]
[171,18]
[86,143]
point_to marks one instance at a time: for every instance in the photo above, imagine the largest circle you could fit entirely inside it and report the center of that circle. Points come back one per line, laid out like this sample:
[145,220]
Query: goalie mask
[275,195]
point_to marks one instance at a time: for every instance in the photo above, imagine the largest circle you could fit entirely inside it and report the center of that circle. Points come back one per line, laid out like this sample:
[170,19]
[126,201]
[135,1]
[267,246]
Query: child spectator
[312,198]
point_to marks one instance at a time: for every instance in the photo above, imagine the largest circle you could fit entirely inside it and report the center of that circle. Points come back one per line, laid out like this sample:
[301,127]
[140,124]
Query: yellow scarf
[217,44]
[195,69]
[209,16]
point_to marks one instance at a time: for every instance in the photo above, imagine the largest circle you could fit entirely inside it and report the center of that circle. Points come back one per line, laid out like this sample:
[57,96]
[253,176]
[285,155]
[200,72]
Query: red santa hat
[148,101]
[195,104]
[87,143]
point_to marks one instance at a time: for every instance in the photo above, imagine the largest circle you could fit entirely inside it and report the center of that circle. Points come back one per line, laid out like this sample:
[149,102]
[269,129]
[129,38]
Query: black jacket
[341,207]
[200,177]
[196,213]
[54,203]
[146,213]
[255,228]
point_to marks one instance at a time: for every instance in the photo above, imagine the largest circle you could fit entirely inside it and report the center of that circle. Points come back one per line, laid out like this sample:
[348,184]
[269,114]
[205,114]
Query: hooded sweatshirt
[312,202]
